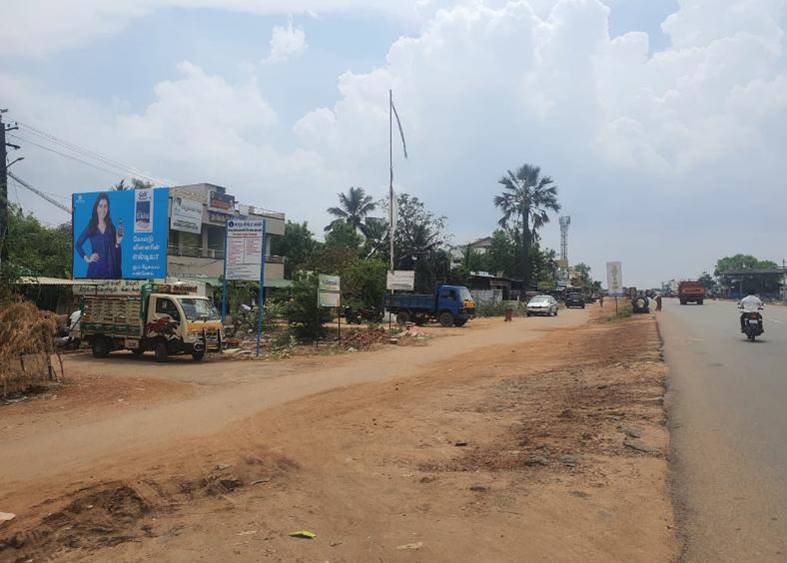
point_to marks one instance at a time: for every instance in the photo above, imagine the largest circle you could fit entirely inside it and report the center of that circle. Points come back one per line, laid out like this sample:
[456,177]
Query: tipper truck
[163,318]
[451,305]
[691,291]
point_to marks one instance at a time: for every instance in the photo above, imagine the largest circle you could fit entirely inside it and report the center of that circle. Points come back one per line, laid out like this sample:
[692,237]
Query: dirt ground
[540,440]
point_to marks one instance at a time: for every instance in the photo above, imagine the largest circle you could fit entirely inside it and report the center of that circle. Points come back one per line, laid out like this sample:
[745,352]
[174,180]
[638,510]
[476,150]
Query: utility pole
[4,187]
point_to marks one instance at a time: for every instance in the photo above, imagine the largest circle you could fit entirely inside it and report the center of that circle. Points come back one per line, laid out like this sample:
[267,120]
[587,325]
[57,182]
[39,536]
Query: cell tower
[565,221]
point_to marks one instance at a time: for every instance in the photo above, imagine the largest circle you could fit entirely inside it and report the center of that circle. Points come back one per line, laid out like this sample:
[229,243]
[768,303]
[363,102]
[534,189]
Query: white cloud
[37,28]
[649,150]
[286,43]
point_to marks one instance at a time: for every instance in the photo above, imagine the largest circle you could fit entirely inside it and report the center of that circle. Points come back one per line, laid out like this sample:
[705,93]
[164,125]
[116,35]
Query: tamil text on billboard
[244,249]
[186,215]
[120,234]
[615,278]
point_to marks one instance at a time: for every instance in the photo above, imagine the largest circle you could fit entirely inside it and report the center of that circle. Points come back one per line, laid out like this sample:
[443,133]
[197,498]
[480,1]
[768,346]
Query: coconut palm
[353,208]
[526,201]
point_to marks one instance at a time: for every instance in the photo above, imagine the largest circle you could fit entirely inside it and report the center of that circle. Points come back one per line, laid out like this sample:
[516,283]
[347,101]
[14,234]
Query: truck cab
[183,324]
[457,301]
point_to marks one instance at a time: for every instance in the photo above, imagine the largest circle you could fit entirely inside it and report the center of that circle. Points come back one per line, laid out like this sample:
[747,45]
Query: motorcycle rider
[750,304]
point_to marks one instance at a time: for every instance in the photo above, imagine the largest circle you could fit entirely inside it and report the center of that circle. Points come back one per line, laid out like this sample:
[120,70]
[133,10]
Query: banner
[221,203]
[615,279]
[329,292]
[120,234]
[186,215]
[244,250]
[400,280]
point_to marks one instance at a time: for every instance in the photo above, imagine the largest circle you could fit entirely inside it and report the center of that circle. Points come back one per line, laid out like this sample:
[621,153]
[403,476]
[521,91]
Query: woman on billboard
[105,258]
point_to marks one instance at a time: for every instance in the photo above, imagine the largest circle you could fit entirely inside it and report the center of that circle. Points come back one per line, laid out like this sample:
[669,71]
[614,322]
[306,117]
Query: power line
[88,153]
[72,157]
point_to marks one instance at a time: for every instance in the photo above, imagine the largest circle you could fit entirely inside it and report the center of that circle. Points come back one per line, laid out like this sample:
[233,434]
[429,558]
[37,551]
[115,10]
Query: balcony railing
[210,253]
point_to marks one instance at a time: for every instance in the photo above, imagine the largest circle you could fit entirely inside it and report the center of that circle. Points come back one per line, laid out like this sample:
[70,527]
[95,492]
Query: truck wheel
[198,356]
[446,319]
[161,351]
[100,347]
[402,317]
[699,302]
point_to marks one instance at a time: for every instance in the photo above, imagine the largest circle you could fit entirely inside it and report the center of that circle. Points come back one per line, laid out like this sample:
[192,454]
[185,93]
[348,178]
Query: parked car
[575,299]
[542,305]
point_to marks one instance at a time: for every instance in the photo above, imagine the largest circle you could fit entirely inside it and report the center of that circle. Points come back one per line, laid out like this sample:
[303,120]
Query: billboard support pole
[261,296]
[224,287]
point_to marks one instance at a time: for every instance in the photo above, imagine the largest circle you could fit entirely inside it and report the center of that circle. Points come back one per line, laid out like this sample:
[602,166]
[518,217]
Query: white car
[542,305]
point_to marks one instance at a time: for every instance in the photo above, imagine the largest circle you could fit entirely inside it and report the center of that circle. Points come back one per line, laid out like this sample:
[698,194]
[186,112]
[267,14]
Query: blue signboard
[121,234]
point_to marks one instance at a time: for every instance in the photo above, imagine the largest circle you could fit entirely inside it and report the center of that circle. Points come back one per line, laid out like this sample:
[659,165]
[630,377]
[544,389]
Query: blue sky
[654,117]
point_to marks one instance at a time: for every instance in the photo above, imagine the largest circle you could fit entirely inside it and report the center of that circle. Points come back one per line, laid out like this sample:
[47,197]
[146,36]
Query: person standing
[658,302]
[105,258]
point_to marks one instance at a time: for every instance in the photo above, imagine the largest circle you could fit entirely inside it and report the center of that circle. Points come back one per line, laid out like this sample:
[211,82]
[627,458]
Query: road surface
[728,407]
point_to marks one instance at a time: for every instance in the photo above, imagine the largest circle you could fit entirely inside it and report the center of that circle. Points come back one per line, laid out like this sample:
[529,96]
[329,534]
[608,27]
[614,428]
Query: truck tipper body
[691,292]
[162,318]
[451,305]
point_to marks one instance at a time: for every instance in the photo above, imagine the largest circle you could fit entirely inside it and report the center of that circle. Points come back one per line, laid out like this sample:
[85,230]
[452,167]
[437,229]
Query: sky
[663,122]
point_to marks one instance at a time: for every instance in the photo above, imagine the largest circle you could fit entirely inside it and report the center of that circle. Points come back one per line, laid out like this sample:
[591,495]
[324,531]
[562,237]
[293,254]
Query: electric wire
[87,153]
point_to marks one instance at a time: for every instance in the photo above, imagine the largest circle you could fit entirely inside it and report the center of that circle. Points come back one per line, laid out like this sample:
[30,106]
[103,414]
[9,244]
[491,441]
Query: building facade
[198,216]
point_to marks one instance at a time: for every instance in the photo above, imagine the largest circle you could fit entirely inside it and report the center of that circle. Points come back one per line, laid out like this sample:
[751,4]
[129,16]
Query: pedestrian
[601,301]
[658,302]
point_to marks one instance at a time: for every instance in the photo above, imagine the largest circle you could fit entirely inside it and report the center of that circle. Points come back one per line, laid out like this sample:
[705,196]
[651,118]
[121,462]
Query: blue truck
[451,305]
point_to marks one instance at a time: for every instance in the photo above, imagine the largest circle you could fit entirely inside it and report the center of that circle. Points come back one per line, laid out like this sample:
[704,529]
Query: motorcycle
[357,316]
[752,325]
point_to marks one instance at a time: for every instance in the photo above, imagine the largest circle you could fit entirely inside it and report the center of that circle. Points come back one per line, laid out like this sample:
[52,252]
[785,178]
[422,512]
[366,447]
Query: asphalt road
[728,412]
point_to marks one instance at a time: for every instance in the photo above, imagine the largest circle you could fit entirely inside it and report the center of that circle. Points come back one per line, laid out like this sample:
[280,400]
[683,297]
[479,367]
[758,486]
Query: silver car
[542,305]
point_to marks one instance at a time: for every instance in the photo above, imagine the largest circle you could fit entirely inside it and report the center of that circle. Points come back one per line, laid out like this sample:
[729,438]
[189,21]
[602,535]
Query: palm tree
[353,208]
[526,201]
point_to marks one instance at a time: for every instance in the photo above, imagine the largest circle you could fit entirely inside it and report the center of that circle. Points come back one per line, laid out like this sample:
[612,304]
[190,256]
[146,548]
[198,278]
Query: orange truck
[691,291]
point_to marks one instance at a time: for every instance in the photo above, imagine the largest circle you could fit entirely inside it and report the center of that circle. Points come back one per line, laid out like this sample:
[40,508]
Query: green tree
[353,208]
[136,184]
[343,235]
[363,283]
[297,246]
[742,262]
[418,239]
[35,249]
[582,275]
[377,240]
[502,256]
[707,281]
[525,204]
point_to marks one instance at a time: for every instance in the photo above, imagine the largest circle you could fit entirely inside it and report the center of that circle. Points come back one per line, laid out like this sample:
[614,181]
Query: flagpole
[390,169]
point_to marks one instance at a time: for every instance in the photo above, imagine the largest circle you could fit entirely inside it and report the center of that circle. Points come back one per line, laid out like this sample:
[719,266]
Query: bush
[302,311]
[499,308]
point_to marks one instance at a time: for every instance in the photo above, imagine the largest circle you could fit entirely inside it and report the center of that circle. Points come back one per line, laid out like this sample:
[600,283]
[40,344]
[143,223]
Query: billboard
[400,280]
[120,234]
[221,203]
[244,249]
[615,278]
[329,291]
[186,215]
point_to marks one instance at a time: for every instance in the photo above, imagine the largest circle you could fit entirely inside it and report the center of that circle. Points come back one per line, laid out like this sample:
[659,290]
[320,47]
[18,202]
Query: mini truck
[166,319]
[451,305]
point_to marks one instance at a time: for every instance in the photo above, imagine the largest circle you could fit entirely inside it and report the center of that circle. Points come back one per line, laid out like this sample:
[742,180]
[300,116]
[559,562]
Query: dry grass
[26,346]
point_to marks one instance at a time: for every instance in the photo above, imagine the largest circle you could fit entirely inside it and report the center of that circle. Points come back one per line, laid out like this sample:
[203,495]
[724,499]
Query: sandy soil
[501,443]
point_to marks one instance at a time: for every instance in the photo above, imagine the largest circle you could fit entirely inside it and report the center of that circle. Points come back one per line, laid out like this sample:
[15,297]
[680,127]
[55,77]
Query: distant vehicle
[691,292]
[545,305]
[164,318]
[575,298]
[641,303]
[451,305]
